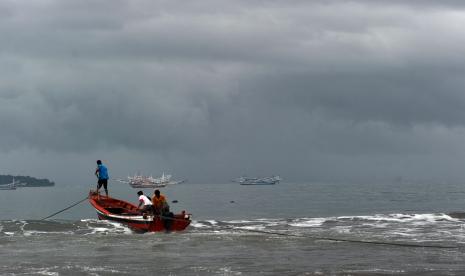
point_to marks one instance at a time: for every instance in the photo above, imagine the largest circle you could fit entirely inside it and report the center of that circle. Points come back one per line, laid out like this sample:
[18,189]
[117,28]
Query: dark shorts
[103,182]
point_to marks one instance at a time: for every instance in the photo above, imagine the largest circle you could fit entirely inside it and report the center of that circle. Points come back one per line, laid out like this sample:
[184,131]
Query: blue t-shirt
[102,172]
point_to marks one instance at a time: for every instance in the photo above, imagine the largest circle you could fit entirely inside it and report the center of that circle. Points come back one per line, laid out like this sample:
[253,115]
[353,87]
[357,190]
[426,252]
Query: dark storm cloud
[406,96]
[234,84]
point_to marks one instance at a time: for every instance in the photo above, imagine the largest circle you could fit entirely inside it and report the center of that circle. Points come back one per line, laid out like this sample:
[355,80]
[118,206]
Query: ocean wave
[82,227]
[434,228]
[310,222]
[424,218]
[396,226]
[62,269]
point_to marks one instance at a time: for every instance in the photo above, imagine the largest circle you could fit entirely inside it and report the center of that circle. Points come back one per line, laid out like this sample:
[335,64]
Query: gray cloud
[310,90]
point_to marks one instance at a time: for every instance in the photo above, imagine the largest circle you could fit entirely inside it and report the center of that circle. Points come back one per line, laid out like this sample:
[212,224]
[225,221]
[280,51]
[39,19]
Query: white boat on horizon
[244,180]
[141,181]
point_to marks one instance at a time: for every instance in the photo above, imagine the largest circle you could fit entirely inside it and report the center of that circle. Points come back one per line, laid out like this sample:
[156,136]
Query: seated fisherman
[161,208]
[145,202]
[160,205]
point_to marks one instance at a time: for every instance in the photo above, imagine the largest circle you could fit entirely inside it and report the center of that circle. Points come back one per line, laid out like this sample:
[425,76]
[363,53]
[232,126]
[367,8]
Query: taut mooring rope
[69,207]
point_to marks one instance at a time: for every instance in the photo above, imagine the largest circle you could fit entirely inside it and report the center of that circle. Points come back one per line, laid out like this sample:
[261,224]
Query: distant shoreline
[26,181]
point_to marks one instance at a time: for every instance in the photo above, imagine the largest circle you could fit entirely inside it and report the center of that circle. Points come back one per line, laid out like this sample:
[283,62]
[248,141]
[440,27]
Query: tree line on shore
[26,181]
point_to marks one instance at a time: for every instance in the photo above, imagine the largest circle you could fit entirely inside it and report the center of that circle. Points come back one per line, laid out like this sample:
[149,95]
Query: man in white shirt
[145,202]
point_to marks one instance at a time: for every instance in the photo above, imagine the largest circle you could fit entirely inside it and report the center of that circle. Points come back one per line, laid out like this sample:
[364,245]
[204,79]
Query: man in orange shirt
[161,208]
[159,203]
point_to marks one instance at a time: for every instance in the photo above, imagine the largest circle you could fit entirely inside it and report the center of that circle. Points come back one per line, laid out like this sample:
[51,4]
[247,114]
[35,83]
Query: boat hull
[109,208]
[258,180]
[270,183]
[147,186]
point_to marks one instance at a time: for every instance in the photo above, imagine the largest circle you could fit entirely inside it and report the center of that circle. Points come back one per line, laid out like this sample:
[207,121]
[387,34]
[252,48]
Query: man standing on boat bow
[102,174]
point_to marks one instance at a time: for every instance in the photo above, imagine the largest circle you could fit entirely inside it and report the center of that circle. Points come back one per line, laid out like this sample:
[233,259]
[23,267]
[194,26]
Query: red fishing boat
[109,208]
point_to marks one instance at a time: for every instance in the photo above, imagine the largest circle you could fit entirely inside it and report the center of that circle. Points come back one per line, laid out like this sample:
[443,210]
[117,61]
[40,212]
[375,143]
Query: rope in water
[69,207]
[332,239]
[350,240]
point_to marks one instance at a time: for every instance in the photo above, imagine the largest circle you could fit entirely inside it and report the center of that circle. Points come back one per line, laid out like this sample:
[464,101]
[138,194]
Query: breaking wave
[393,227]
[418,228]
[81,227]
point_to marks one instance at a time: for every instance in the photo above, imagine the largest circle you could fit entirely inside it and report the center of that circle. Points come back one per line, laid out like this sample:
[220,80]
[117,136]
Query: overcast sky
[212,90]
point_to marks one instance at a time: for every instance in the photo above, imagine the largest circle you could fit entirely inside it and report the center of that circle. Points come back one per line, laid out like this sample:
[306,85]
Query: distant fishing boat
[113,209]
[141,181]
[258,180]
[9,186]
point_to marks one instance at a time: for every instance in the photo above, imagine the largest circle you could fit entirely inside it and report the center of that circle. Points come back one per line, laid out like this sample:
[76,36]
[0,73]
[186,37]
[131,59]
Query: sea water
[311,228]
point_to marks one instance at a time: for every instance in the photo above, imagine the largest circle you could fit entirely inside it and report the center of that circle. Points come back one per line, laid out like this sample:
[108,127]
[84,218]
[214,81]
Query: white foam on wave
[23,224]
[376,218]
[343,229]
[98,269]
[197,224]
[239,224]
[375,221]
[251,227]
[92,226]
[266,220]
[403,234]
[89,270]
[44,271]
[239,221]
[396,225]
[225,232]
[29,233]
[119,226]
[378,225]
[431,218]
[310,222]
[106,226]
[420,218]
[262,223]
[271,224]
[376,270]
[212,222]
[203,224]
[228,271]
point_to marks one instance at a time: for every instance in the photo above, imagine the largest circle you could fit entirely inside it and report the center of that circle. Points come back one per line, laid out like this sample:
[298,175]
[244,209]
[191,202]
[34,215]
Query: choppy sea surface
[284,229]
